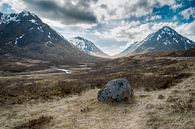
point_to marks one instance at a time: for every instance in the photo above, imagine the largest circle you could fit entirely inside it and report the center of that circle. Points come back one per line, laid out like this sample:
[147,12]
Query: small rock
[143,96]
[161,96]
[175,91]
[116,90]
[84,110]
[125,111]
[149,106]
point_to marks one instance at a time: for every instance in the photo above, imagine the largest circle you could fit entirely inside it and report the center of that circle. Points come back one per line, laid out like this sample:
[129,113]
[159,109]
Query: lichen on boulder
[116,90]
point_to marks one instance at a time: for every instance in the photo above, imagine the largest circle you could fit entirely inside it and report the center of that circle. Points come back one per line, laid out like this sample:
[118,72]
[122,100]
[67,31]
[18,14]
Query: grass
[38,123]
[176,111]
[59,100]
[152,74]
[83,111]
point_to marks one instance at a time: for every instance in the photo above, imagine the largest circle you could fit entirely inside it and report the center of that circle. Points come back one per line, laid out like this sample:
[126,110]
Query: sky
[111,24]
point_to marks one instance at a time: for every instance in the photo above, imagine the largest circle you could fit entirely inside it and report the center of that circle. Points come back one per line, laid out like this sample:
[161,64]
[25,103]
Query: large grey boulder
[116,90]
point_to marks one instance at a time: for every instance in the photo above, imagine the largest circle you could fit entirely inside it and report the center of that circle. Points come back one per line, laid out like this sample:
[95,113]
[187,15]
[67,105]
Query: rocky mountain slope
[165,39]
[25,35]
[87,46]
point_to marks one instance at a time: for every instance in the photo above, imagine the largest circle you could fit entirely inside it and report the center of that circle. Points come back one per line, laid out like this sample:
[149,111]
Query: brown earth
[49,98]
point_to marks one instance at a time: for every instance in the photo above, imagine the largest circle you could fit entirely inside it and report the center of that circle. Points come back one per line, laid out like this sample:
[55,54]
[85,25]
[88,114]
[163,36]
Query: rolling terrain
[54,98]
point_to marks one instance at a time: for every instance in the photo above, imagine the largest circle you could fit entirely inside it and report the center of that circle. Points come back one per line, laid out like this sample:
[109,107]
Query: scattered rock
[84,110]
[125,111]
[116,90]
[143,96]
[175,91]
[161,96]
[149,106]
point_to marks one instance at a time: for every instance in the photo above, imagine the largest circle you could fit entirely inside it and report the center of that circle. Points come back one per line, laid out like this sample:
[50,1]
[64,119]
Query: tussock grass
[71,100]
[38,123]
[147,74]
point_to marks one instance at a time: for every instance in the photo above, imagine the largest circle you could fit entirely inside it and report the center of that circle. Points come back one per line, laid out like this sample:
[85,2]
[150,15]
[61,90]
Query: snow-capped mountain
[24,28]
[164,39]
[24,34]
[87,46]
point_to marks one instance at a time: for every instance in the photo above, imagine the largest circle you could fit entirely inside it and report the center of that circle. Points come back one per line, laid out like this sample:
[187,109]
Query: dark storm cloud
[67,13]
[140,8]
[104,6]
[86,3]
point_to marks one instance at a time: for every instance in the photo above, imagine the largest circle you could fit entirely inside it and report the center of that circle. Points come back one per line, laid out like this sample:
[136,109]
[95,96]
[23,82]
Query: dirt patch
[35,123]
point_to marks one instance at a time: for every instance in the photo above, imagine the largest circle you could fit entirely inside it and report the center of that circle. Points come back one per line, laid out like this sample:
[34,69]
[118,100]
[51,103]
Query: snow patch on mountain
[16,17]
[20,37]
[25,13]
[164,39]
[33,21]
[40,28]
[29,23]
[87,46]
[7,18]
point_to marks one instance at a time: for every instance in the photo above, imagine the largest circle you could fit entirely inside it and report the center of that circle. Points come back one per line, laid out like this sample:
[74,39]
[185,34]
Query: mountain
[129,49]
[165,39]
[87,46]
[25,35]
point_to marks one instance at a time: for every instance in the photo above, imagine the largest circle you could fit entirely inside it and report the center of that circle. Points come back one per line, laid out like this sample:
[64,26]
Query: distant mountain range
[25,35]
[165,39]
[87,46]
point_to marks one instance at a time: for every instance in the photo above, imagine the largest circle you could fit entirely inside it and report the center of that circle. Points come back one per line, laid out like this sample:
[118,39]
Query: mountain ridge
[87,46]
[164,39]
[24,34]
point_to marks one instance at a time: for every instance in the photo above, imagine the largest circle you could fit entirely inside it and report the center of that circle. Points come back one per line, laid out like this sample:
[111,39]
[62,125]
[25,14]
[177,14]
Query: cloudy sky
[111,24]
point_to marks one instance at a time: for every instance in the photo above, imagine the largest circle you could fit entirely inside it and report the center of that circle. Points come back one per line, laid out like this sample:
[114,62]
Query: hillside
[87,46]
[25,35]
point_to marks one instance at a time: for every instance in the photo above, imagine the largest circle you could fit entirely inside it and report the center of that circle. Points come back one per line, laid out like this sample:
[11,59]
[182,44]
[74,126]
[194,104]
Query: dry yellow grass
[85,112]
[164,108]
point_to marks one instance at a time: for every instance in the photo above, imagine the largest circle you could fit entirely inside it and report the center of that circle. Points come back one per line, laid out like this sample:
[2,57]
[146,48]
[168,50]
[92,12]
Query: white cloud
[187,13]
[187,30]
[153,18]
[53,24]
[119,32]
[176,6]
[157,26]
[166,2]
[111,50]
[112,9]
[17,5]
[125,8]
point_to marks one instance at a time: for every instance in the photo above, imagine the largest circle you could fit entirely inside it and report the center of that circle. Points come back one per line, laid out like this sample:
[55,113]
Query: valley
[87,64]
[53,98]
